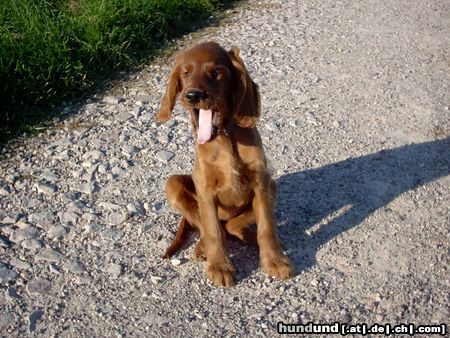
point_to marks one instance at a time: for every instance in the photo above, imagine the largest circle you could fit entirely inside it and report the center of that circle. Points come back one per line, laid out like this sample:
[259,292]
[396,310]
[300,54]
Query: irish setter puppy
[230,187]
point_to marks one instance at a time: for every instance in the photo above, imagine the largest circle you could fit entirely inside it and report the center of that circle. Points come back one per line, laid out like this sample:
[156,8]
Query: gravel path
[356,123]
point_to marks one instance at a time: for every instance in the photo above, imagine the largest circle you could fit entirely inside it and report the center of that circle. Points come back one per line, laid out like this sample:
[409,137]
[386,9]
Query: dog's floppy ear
[246,99]
[168,101]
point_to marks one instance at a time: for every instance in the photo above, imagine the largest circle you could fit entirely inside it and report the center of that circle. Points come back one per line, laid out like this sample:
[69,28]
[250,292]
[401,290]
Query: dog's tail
[182,234]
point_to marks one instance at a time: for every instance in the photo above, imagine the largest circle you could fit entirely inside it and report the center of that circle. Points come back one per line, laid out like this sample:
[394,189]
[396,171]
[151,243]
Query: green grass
[54,50]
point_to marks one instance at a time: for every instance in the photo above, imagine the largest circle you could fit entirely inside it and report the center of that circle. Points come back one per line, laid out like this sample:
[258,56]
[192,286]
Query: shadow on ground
[336,197]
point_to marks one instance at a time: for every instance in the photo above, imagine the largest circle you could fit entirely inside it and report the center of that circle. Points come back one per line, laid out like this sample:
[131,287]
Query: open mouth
[205,119]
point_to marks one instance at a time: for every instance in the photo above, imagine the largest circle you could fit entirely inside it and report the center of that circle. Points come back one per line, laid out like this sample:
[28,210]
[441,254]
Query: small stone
[74,267]
[20,235]
[39,286]
[137,110]
[46,188]
[123,116]
[6,320]
[104,168]
[136,209]
[5,190]
[293,123]
[115,270]
[40,217]
[33,318]
[4,243]
[111,234]
[49,255]
[109,206]
[272,126]
[163,137]
[50,176]
[156,279]
[32,244]
[116,218]
[85,188]
[68,218]
[8,219]
[129,150]
[345,317]
[54,269]
[77,207]
[79,280]
[31,203]
[20,264]
[175,262]
[57,231]
[7,275]
[112,99]
[11,295]
[164,155]
[95,155]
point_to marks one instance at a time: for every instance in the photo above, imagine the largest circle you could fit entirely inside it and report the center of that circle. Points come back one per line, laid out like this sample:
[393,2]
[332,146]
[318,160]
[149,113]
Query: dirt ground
[356,124]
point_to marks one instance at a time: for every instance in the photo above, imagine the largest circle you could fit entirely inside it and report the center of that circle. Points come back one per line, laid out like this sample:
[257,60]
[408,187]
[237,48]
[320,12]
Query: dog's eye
[186,73]
[216,74]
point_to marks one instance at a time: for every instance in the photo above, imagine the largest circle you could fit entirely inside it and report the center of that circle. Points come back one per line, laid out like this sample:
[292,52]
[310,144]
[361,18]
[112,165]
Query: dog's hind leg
[182,234]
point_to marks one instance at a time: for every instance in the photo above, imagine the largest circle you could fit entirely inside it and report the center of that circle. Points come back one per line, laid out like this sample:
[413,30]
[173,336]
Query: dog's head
[215,87]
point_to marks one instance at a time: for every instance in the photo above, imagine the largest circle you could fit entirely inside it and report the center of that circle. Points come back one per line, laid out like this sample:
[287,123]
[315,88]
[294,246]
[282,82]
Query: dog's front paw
[221,274]
[277,265]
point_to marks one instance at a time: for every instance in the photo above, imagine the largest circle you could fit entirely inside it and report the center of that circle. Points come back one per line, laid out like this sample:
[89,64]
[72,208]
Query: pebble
[74,267]
[41,217]
[68,218]
[50,176]
[57,231]
[344,316]
[6,321]
[85,188]
[7,275]
[32,244]
[123,116]
[164,155]
[109,206]
[9,220]
[4,243]
[33,318]
[111,234]
[115,270]
[20,264]
[271,126]
[129,150]
[116,218]
[94,155]
[175,261]
[11,295]
[136,209]
[112,100]
[5,190]
[46,188]
[20,235]
[39,286]
[49,255]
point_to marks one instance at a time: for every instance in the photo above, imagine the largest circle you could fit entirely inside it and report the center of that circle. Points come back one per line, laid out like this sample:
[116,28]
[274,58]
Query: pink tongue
[205,126]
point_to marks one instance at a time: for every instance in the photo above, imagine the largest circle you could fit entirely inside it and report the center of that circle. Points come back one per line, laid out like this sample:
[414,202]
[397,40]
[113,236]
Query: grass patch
[54,50]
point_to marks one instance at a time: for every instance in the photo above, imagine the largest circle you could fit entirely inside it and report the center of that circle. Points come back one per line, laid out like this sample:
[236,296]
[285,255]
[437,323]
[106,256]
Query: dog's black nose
[195,96]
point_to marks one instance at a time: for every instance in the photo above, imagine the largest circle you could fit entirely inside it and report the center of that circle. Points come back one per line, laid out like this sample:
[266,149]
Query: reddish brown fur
[230,187]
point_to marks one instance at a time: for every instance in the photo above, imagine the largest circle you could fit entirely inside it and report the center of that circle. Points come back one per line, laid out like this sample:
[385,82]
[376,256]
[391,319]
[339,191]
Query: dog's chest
[223,173]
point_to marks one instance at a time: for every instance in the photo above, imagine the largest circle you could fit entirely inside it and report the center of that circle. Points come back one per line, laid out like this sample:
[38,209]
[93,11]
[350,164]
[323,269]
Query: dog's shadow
[316,205]
[319,204]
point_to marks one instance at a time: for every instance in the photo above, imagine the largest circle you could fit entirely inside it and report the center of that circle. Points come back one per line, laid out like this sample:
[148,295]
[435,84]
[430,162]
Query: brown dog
[230,187]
